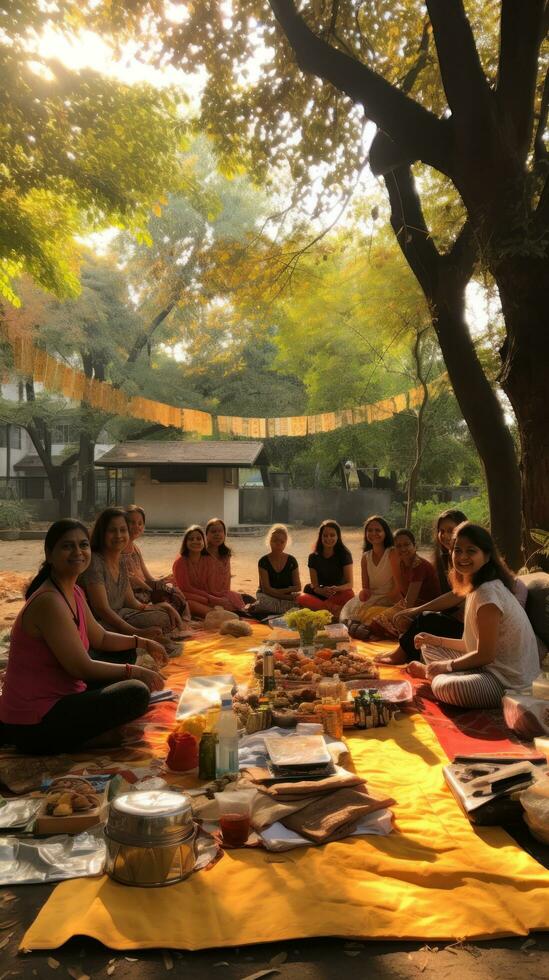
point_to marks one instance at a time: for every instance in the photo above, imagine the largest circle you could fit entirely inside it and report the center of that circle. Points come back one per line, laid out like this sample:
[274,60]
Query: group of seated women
[393,574]
[72,674]
[91,612]
[460,622]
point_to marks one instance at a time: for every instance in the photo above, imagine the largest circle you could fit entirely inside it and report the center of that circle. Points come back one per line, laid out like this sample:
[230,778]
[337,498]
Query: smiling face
[70,556]
[374,533]
[116,534]
[329,538]
[405,548]
[467,558]
[445,532]
[194,542]
[136,524]
[278,542]
[215,535]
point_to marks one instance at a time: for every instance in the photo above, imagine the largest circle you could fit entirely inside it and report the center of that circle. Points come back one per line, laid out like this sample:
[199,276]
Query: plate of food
[291,666]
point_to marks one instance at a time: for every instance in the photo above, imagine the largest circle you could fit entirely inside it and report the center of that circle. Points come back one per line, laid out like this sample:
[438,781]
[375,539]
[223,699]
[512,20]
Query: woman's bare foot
[395,658]
[417,669]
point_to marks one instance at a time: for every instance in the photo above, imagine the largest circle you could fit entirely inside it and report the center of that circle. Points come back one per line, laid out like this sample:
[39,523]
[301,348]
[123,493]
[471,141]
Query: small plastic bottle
[226,757]
[332,719]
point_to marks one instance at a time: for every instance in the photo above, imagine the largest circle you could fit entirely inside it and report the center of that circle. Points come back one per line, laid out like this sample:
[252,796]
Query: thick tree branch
[521,29]
[407,83]
[411,231]
[540,149]
[467,90]
[413,475]
[443,280]
[463,254]
[418,132]
[144,338]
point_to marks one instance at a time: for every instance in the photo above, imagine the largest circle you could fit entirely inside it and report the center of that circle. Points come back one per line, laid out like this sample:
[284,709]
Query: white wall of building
[180,504]
[231,515]
[16,454]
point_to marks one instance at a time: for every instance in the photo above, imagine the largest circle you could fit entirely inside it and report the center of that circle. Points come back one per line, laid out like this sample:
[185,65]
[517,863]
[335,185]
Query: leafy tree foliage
[459,87]
[79,152]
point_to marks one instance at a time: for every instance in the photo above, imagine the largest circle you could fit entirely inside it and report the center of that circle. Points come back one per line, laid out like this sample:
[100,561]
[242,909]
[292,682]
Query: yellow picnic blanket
[434,877]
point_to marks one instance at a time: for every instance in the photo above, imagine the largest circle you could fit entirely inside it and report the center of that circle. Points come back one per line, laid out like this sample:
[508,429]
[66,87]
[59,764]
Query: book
[486,791]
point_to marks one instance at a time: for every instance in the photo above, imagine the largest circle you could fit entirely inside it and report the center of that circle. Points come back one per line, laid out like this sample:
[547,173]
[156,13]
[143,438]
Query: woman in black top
[279,583]
[330,571]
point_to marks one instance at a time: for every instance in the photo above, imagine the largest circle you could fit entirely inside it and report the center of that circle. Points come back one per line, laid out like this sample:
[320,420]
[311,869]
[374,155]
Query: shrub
[13,514]
[425,515]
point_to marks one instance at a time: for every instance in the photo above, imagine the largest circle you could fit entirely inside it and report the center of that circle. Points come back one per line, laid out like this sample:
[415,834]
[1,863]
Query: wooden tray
[74,824]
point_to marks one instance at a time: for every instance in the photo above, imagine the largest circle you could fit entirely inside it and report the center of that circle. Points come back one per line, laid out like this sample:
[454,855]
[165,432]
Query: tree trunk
[443,279]
[58,476]
[484,416]
[86,472]
[8,453]
[420,434]
[524,290]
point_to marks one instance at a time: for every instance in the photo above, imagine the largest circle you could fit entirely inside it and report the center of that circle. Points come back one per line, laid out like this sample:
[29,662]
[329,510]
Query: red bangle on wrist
[128,669]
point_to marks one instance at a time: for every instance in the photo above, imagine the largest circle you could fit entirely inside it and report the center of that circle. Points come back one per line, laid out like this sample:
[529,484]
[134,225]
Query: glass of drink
[234,816]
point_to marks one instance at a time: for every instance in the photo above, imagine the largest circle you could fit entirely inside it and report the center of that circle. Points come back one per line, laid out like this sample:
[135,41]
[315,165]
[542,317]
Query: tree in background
[183,275]
[80,152]
[350,328]
[459,88]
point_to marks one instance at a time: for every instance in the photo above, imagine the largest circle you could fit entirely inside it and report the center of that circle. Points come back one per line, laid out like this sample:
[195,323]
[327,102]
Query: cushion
[537,603]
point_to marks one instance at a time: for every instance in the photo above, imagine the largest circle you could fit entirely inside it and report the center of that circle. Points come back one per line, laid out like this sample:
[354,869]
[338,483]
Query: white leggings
[465,689]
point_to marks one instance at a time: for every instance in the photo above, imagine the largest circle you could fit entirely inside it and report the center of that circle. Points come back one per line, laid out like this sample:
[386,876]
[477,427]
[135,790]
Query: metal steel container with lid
[150,838]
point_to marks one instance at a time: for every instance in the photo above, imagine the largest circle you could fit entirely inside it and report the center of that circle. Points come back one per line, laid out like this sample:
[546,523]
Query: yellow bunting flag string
[33,362]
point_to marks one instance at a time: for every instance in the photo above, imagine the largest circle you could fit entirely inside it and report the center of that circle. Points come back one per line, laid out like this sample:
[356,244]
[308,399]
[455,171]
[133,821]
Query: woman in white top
[380,574]
[498,649]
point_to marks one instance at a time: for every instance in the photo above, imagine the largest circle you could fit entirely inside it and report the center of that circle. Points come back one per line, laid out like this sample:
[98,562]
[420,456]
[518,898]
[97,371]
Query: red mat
[467,732]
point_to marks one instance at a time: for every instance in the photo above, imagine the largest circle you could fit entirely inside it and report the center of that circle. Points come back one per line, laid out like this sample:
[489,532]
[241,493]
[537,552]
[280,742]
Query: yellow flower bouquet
[307,623]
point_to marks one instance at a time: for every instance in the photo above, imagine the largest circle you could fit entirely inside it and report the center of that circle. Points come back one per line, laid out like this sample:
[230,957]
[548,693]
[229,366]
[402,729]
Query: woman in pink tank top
[55,697]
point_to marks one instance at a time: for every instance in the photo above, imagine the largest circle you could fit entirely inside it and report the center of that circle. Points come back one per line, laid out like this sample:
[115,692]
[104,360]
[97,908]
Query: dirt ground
[20,559]
[502,959]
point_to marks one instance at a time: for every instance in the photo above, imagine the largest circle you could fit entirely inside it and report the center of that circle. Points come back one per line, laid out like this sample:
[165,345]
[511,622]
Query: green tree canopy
[80,152]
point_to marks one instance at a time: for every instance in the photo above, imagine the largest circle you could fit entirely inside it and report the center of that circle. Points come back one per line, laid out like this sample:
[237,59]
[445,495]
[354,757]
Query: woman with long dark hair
[330,570]
[379,568]
[443,615]
[418,582]
[220,572]
[108,588]
[498,649]
[194,574]
[147,588]
[442,546]
[55,697]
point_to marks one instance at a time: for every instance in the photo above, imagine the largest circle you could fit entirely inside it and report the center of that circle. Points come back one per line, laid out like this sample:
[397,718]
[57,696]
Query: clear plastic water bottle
[226,756]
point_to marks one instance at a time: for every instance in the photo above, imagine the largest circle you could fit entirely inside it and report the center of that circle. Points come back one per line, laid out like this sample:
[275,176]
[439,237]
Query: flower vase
[307,642]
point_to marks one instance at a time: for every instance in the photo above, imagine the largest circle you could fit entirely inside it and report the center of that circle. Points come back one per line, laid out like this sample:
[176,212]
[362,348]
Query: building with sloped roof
[182,483]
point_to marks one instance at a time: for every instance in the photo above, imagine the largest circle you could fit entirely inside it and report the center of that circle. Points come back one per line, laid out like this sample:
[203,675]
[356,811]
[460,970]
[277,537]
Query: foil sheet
[32,862]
